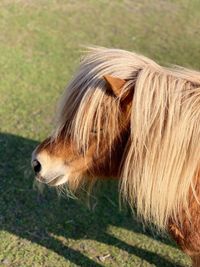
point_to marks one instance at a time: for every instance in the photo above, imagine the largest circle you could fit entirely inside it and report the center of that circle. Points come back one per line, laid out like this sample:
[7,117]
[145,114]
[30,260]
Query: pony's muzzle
[49,169]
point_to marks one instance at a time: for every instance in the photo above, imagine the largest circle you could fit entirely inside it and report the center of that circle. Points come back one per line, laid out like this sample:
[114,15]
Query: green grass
[39,51]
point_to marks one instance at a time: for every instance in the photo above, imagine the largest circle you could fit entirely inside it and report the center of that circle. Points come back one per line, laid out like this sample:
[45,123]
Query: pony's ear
[115,84]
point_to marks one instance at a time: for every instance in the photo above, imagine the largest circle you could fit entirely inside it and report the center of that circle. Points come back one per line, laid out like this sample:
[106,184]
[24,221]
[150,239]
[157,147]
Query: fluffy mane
[162,158]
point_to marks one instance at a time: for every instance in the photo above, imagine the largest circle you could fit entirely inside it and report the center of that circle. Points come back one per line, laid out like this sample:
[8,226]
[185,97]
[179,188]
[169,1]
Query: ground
[40,46]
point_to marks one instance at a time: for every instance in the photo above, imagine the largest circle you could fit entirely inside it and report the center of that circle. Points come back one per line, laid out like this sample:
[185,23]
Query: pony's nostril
[36,166]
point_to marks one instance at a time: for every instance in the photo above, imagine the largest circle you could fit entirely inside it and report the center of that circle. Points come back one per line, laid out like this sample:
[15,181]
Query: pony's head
[93,121]
[91,134]
[126,117]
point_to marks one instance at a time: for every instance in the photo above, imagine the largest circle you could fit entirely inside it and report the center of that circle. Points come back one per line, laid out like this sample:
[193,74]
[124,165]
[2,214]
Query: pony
[124,116]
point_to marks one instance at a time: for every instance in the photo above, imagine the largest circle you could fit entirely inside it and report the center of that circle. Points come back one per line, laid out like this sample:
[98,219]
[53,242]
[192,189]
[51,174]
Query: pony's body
[124,116]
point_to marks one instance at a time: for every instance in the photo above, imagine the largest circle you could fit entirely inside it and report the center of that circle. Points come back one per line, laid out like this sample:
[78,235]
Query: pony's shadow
[41,219]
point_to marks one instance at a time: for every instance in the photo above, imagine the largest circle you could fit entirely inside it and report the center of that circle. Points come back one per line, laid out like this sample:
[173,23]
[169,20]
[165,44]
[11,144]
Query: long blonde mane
[162,158]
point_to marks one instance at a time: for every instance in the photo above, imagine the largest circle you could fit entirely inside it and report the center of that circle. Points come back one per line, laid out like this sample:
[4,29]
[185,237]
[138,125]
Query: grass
[39,51]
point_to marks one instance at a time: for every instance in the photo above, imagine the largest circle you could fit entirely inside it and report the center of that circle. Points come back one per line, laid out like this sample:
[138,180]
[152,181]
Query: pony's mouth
[55,181]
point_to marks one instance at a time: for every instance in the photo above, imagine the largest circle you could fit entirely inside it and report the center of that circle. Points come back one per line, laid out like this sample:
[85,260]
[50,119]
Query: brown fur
[187,233]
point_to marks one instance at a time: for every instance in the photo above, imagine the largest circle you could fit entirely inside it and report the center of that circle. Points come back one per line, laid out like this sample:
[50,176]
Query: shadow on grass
[38,219]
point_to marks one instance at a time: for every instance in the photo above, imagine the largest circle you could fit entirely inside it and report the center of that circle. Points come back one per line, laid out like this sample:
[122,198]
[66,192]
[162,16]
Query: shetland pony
[124,116]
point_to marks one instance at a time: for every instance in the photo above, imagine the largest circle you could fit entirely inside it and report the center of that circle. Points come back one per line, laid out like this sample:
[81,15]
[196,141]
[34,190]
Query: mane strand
[163,159]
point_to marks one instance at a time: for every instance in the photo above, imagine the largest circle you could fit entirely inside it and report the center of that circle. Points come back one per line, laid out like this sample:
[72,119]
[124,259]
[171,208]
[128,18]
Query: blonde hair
[162,157]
